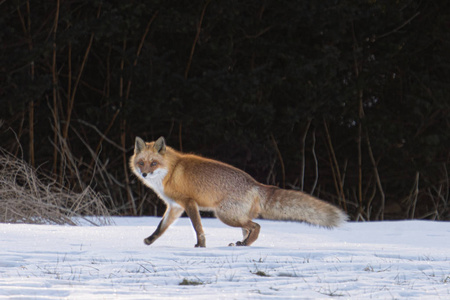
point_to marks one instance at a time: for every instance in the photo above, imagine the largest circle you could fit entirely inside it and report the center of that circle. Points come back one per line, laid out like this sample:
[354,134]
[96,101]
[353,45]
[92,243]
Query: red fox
[187,182]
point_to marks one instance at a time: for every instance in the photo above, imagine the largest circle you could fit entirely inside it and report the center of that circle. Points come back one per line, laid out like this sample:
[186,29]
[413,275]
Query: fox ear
[139,145]
[160,145]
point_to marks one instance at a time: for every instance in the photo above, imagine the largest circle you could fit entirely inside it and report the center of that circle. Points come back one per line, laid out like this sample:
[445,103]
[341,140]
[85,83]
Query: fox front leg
[172,213]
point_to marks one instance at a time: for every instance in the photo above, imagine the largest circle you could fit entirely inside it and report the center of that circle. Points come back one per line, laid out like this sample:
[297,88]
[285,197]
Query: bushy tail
[289,205]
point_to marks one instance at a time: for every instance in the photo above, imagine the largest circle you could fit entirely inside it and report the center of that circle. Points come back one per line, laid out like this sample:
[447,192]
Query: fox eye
[154,163]
[141,163]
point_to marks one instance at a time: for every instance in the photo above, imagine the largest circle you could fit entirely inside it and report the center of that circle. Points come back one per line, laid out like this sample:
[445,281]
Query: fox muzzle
[145,174]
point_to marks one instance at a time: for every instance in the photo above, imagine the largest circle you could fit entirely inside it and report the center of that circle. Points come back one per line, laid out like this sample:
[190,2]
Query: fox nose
[144,175]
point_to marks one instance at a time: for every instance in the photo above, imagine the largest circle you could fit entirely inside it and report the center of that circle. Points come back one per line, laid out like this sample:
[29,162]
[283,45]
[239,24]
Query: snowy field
[383,260]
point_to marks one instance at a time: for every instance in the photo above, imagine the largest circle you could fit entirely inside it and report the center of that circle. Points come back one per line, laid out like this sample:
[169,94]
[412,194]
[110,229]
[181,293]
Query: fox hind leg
[245,233]
[236,214]
[250,232]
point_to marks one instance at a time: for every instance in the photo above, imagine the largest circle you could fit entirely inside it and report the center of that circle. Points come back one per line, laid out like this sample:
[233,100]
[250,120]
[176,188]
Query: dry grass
[27,198]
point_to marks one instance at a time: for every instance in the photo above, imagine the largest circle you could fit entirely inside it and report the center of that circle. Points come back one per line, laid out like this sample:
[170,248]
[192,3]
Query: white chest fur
[155,182]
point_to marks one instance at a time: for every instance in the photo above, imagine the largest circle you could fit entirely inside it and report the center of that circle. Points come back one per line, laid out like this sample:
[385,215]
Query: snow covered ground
[404,259]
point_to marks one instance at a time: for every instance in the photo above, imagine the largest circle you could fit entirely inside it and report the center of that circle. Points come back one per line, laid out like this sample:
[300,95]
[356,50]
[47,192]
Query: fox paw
[149,241]
[237,244]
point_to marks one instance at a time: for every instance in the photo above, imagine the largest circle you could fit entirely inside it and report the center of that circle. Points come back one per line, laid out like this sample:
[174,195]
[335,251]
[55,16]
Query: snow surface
[383,260]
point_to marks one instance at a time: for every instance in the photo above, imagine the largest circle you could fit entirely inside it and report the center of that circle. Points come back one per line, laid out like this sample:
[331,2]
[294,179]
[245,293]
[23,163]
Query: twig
[27,32]
[123,127]
[316,163]
[357,66]
[283,174]
[377,177]
[398,27]
[335,169]
[180,140]
[104,137]
[55,89]
[77,81]
[302,179]
[414,195]
[197,35]
[138,53]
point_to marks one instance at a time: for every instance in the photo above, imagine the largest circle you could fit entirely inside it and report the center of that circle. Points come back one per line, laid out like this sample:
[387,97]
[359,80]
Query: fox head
[148,161]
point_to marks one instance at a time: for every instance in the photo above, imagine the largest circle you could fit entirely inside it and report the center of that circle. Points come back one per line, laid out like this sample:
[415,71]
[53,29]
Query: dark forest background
[347,100]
